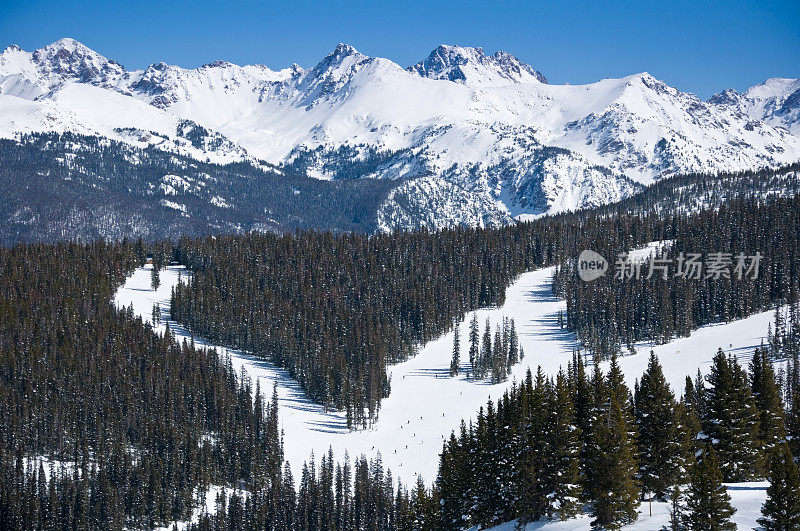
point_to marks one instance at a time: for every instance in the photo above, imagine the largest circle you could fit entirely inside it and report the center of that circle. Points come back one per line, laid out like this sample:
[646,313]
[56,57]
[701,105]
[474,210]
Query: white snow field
[426,404]
[746,498]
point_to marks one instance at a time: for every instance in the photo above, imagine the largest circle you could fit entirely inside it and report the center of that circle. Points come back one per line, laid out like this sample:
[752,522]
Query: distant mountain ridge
[489,137]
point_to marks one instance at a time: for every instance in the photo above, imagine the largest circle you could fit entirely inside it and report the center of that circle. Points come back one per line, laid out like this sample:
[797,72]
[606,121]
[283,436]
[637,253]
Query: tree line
[135,423]
[615,311]
[335,310]
[553,447]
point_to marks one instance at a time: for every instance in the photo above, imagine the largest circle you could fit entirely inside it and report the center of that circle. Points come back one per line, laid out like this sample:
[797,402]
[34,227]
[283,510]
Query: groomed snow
[426,404]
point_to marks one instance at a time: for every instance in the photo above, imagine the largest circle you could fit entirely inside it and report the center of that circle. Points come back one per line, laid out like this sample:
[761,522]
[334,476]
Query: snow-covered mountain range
[481,139]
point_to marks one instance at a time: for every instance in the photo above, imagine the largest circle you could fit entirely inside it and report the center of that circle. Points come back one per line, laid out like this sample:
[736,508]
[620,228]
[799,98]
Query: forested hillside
[135,423]
[74,187]
[138,426]
[335,310]
[679,288]
[554,447]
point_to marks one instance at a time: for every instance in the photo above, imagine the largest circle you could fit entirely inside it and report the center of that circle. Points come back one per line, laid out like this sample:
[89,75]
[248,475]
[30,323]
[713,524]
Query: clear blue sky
[697,46]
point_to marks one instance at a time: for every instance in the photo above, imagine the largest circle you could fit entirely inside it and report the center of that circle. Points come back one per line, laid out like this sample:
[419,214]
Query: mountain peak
[471,66]
[67,43]
[726,97]
[340,62]
[70,58]
[344,49]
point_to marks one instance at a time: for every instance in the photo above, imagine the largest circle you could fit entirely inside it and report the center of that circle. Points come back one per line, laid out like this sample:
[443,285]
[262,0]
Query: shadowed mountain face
[477,139]
[71,187]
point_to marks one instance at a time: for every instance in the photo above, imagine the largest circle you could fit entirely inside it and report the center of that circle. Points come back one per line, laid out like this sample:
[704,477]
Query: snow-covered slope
[489,125]
[425,403]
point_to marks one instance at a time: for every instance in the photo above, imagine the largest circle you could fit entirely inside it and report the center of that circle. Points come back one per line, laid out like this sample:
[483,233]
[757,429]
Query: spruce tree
[155,280]
[793,424]
[513,345]
[474,338]
[611,455]
[485,362]
[781,510]
[455,362]
[708,502]
[767,398]
[562,467]
[661,442]
[690,416]
[676,511]
[731,420]
[531,486]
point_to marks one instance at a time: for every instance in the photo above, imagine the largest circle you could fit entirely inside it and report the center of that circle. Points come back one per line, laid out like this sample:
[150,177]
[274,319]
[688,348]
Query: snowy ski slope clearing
[426,404]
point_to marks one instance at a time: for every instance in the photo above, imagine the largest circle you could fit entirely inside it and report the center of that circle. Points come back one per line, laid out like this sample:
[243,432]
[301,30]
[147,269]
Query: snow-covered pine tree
[708,502]
[781,510]
[532,502]
[661,442]
[562,466]
[730,419]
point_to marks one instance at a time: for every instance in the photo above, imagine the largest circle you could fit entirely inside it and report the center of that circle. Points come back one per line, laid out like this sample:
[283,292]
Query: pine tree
[610,463]
[499,361]
[485,361]
[793,424]
[474,338]
[513,345]
[781,510]
[456,361]
[662,451]
[708,502]
[690,416]
[767,398]
[531,484]
[562,468]
[730,419]
[155,280]
[676,511]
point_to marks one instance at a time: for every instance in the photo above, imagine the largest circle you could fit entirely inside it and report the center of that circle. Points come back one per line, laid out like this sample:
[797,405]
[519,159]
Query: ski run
[426,403]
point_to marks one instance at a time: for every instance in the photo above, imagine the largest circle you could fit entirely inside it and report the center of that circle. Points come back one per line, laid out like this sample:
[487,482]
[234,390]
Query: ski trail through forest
[426,403]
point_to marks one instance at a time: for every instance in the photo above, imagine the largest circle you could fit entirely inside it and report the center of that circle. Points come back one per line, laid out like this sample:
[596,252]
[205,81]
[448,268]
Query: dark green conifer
[730,419]
[455,362]
[781,510]
[661,441]
[610,464]
[562,467]
[707,501]
[772,429]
